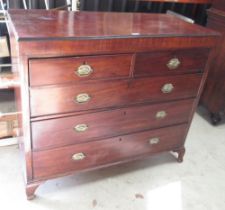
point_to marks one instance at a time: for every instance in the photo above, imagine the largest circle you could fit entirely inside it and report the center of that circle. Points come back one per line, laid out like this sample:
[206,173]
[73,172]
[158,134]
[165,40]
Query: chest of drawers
[213,97]
[95,93]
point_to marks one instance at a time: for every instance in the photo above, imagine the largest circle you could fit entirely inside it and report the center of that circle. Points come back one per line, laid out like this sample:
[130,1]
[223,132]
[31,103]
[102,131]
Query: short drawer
[53,71]
[94,95]
[93,154]
[89,127]
[171,62]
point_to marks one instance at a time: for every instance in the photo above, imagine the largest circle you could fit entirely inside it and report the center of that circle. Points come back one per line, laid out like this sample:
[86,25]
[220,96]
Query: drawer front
[77,129]
[62,99]
[89,155]
[63,70]
[171,62]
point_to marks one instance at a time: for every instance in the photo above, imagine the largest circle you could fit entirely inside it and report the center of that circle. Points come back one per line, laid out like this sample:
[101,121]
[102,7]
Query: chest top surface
[219,4]
[44,25]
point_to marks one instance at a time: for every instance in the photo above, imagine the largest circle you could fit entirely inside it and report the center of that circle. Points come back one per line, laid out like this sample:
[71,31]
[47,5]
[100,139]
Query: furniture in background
[81,113]
[213,97]
[8,114]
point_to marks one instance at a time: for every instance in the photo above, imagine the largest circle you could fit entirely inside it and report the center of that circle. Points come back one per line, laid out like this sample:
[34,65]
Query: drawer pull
[167,88]
[78,156]
[81,128]
[160,114]
[84,70]
[82,98]
[173,64]
[153,141]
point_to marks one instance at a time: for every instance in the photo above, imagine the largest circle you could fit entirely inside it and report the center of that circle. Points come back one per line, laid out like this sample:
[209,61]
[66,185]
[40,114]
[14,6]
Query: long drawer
[75,69]
[72,130]
[92,154]
[94,95]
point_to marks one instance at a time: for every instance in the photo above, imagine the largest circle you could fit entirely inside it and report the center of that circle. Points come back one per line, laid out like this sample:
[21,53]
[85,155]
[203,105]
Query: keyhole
[125,113]
[120,139]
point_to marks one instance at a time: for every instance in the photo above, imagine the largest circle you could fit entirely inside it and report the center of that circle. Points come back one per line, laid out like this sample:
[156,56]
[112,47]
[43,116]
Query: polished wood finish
[62,99]
[99,25]
[59,161]
[64,70]
[125,110]
[180,151]
[123,45]
[213,97]
[219,5]
[60,132]
[30,189]
[153,64]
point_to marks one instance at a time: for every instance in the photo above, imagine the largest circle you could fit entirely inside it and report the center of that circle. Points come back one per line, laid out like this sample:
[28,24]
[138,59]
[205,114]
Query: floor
[156,183]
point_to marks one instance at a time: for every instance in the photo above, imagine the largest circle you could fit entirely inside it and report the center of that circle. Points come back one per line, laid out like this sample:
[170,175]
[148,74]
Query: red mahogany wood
[213,97]
[61,99]
[30,190]
[76,34]
[97,34]
[56,161]
[109,46]
[60,132]
[63,70]
[219,5]
[99,25]
[156,63]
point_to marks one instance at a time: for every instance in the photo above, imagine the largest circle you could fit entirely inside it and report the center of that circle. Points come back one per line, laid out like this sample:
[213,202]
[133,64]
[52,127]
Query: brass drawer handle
[160,114]
[81,128]
[78,156]
[173,64]
[84,70]
[153,141]
[167,88]
[82,98]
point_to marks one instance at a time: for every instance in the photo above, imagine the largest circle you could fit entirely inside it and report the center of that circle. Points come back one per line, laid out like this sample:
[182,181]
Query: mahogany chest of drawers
[99,89]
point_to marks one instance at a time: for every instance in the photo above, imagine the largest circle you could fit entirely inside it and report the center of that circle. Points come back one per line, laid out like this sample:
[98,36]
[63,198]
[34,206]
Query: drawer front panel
[171,62]
[72,130]
[93,154]
[62,99]
[64,70]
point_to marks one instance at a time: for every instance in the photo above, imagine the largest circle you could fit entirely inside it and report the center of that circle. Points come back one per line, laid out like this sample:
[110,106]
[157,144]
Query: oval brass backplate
[82,98]
[78,156]
[154,140]
[167,88]
[173,64]
[84,70]
[81,128]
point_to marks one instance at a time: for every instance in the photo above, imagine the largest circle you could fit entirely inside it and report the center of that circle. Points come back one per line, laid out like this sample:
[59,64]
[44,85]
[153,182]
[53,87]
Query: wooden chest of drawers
[213,97]
[95,93]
